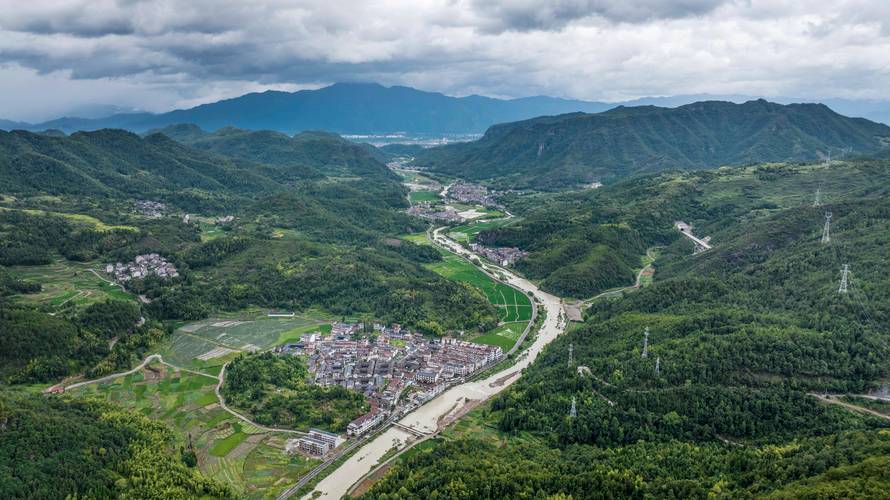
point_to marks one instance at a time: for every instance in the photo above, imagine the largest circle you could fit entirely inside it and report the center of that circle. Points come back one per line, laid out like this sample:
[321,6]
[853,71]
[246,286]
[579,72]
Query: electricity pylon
[658,366]
[845,279]
[574,411]
[645,343]
[826,230]
[818,201]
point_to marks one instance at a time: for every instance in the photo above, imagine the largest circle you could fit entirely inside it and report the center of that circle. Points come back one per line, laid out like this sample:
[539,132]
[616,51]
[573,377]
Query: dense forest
[100,339]
[55,447]
[553,152]
[740,338]
[275,391]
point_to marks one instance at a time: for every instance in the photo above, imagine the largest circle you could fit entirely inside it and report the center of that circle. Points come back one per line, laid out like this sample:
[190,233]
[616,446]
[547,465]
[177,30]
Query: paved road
[428,418]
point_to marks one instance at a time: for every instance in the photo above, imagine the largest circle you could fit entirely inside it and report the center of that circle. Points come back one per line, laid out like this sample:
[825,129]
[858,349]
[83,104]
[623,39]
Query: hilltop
[325,152]
[577,148]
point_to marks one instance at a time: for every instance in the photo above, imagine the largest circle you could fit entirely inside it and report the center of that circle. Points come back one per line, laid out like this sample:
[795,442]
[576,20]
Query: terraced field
[251,460]
[67,283]
[209,343]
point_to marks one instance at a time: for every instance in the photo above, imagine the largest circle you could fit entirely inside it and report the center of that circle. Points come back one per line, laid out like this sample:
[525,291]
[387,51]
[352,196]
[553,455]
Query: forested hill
[742,339]
[116,163]
[327,153]
[572,149]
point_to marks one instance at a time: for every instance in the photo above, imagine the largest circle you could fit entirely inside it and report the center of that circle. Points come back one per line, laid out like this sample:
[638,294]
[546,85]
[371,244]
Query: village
[149,208]
[395,369]
[503,256]
[474,193]
[142,267]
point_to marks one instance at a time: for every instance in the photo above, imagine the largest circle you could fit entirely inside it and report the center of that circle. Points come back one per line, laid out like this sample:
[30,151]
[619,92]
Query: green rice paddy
[512,304]
[467,233]
[251,460]
[421,196]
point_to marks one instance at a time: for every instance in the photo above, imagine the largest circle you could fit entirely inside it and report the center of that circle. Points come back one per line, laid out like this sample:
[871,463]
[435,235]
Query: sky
[61,57]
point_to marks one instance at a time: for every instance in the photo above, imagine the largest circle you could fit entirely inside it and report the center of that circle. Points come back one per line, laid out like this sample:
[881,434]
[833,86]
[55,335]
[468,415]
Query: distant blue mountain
[370,108]
[346,108]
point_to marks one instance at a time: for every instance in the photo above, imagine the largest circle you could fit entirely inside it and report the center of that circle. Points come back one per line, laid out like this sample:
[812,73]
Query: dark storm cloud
[554,14]
[171,53]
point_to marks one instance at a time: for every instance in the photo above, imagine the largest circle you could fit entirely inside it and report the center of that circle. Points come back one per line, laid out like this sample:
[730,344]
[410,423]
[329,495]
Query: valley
[303,316]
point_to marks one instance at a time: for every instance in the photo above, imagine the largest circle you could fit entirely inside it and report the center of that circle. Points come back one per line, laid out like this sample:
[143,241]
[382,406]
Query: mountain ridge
[371,108]
[342,108]
[577,148]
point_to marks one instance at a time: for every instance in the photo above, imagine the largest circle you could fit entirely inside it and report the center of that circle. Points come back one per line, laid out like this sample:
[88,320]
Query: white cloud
[164,53]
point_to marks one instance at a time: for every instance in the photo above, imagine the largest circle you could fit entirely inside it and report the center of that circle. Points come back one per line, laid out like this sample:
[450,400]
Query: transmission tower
[845,279]
[818,201]
[658,366]
[574,411]
[571,349]
[826,231]
[646,343]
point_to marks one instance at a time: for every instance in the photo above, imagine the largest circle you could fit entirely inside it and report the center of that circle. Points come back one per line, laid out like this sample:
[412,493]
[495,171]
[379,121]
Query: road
[222,403]
[835,400]
[220,378]
[686,229]
[427,418]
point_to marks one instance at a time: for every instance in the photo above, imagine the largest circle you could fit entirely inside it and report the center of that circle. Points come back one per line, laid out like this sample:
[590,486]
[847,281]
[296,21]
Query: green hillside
[323,152]
[573,149]
[742,338]
[56,447]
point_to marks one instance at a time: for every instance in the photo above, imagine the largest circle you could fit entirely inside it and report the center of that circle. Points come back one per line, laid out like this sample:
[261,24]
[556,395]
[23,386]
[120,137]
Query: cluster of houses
[504,256]
[150,208]
[473,193]
[142,267]
[428,211]
[382,362]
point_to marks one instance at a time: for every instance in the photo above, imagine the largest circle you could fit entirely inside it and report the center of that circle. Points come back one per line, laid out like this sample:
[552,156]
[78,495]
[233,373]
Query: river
[427,418]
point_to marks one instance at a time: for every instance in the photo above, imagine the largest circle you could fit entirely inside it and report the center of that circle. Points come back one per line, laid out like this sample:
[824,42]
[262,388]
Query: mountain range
[354,108]
[369,108]
[577,148]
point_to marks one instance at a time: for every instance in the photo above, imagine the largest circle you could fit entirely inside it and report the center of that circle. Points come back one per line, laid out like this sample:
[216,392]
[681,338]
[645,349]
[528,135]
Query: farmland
[504,336]
[512,304]
[467,233]
[211,342]
[84,219]
[251,460]
[65,282]
[421,196]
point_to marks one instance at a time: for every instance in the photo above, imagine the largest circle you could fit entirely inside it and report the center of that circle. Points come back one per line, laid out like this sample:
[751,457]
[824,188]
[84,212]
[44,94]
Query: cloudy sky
[62,56]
